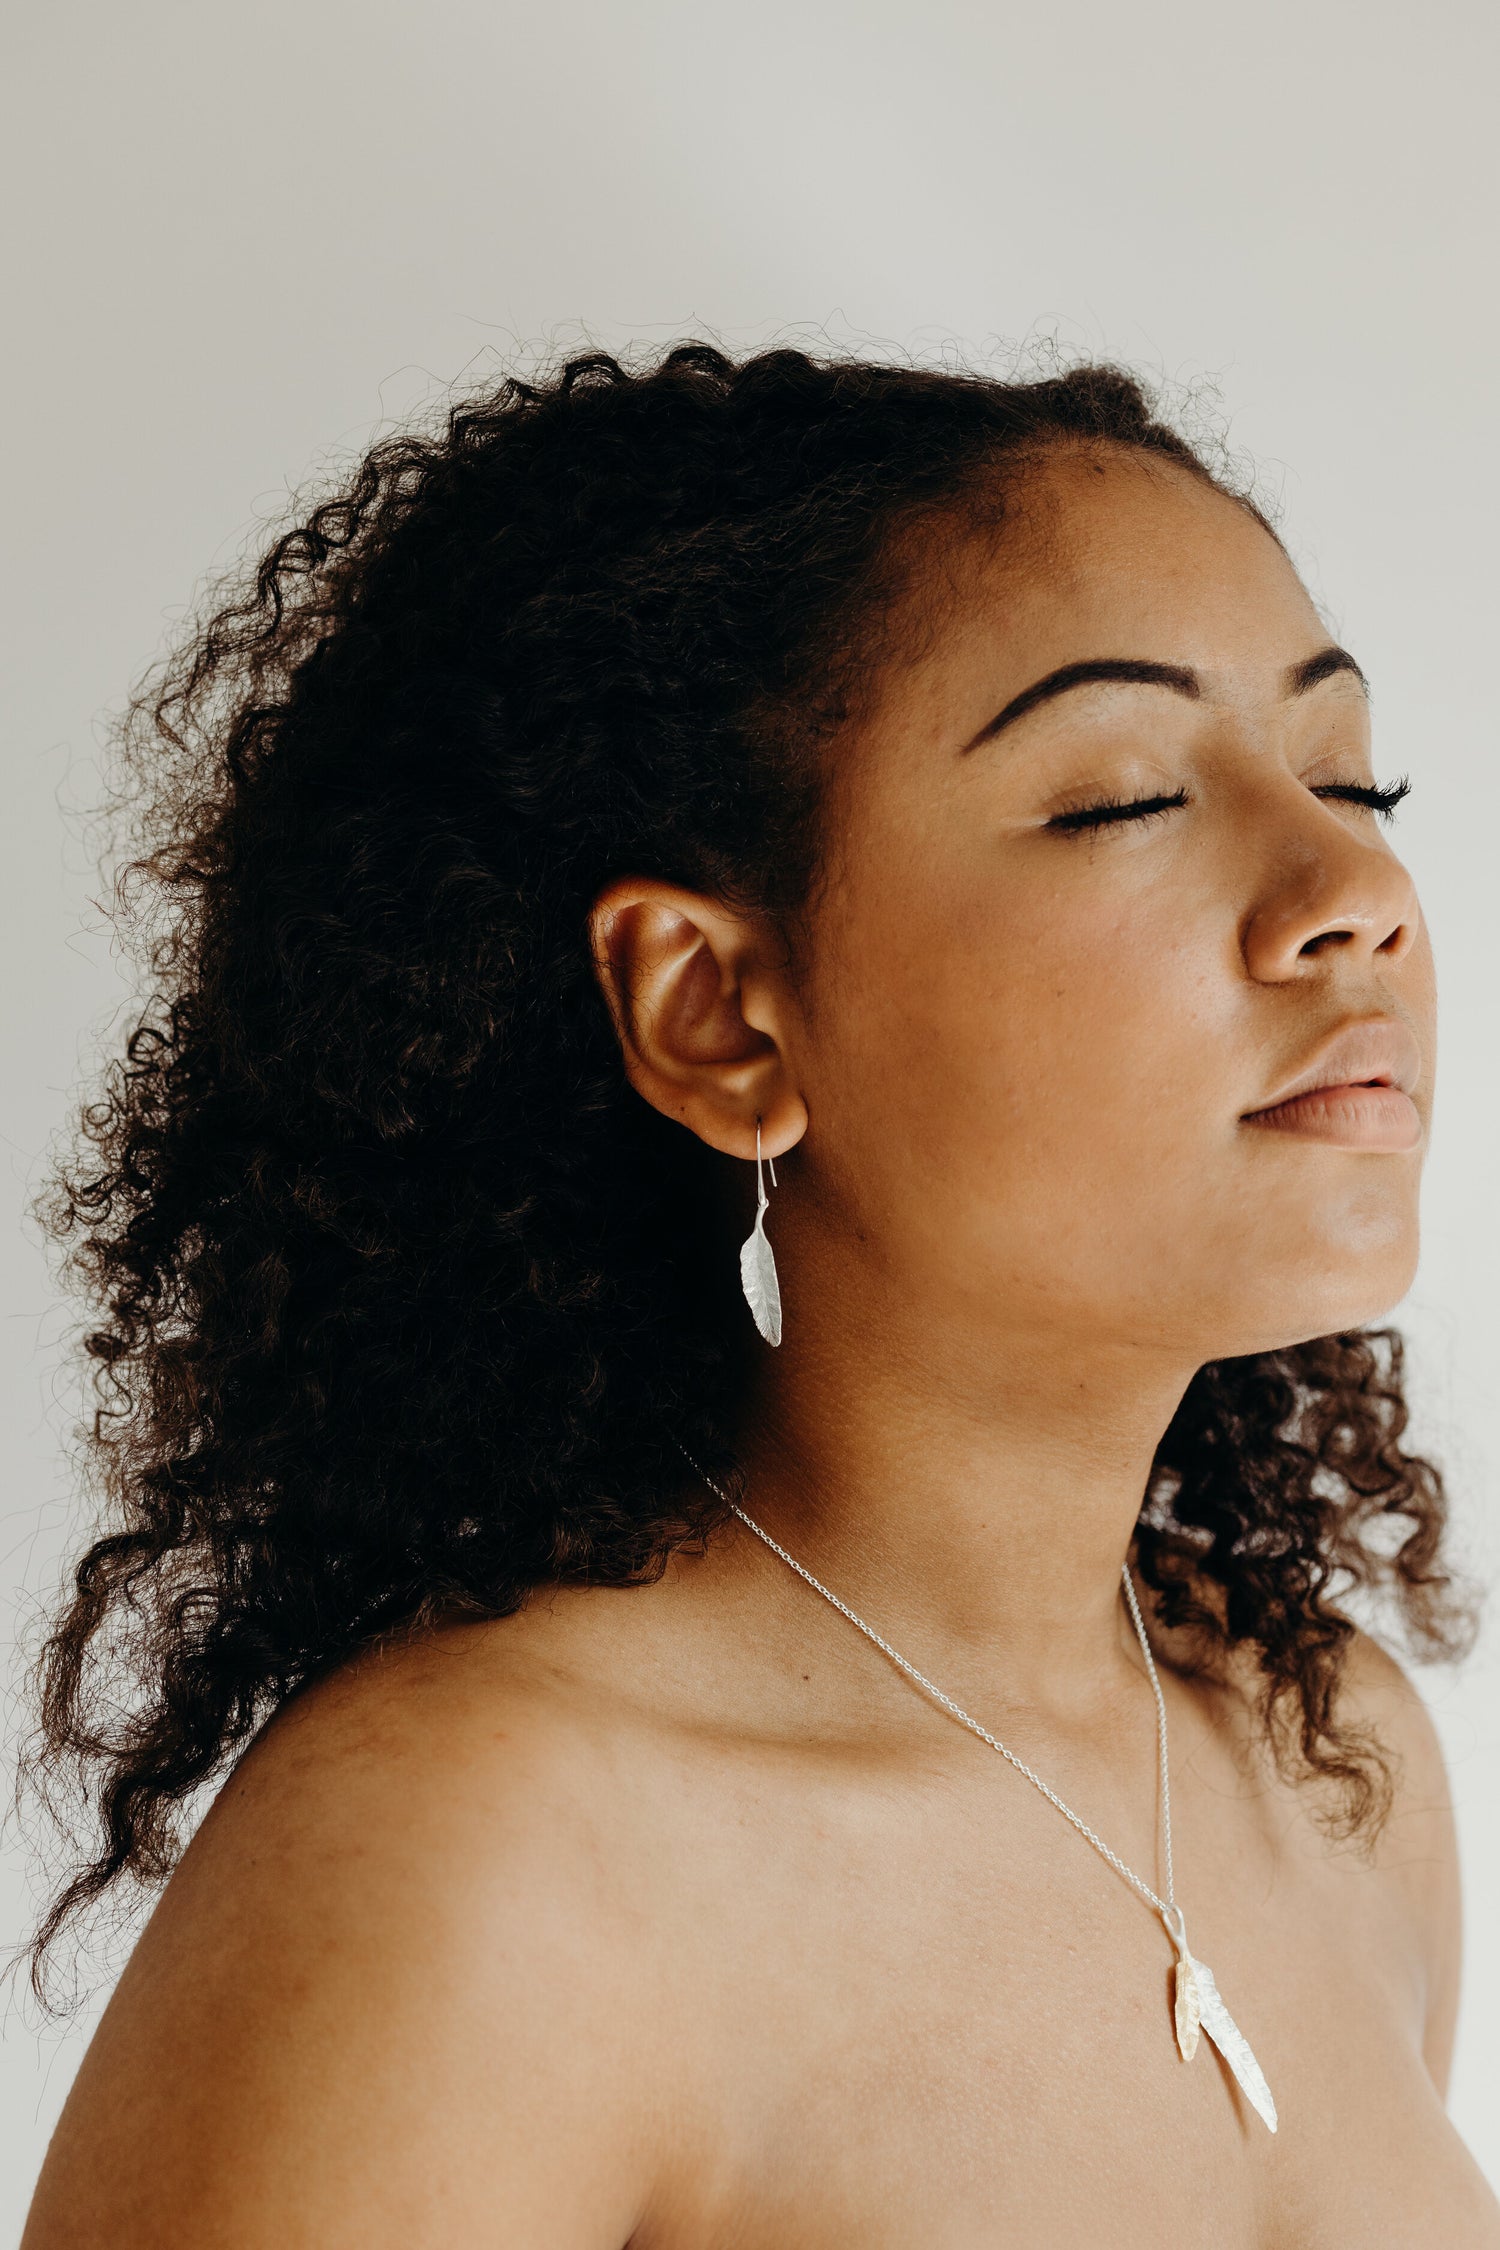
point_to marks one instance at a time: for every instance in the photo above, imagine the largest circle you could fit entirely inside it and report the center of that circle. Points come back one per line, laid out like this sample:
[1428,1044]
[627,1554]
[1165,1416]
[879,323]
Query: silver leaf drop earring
[757,1262]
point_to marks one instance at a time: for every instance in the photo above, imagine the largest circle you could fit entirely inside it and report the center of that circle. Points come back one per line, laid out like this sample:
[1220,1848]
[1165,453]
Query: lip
[1354,1091]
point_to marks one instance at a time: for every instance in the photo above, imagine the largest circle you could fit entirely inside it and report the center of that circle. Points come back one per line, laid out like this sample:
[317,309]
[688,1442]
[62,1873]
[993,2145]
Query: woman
[946,792]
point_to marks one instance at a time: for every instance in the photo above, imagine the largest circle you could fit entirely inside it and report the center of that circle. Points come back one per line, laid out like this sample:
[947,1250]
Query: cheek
[1045,1067]
[1033,1101]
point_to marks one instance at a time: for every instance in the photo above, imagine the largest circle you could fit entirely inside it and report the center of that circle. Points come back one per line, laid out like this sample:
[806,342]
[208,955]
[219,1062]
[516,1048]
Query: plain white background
[240,238]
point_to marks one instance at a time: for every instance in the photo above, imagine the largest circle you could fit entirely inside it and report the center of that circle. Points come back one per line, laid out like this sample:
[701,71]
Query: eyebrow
[1138,671]
[1323,666]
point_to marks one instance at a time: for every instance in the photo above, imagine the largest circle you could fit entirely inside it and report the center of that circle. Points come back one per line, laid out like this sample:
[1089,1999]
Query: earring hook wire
[762,1199]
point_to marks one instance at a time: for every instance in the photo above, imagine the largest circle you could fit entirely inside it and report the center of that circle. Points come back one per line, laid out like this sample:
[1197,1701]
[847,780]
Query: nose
[1329,888]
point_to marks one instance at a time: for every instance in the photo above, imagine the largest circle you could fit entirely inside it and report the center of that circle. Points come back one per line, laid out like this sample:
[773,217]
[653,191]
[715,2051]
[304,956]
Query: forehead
[1108,551]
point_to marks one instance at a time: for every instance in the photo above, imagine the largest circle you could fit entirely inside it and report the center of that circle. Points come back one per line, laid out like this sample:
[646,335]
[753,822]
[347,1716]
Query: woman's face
[1032,1048]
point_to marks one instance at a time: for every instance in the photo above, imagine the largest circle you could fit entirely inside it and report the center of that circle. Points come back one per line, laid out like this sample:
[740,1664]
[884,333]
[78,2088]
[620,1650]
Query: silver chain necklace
[1196,2000]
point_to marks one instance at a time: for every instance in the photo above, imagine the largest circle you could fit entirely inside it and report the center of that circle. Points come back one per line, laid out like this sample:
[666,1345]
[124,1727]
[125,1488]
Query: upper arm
[1418,1847]
[370,2008]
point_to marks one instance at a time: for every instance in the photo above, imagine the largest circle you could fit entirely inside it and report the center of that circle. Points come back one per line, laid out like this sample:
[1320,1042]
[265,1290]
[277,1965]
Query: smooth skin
[674,1917]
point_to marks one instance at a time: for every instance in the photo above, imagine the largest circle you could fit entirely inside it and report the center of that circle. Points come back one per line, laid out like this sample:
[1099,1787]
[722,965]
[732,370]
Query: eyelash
[1383,801]
[1107,812]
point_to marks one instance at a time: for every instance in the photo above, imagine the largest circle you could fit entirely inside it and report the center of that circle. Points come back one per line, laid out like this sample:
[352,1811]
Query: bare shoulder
[1417,1846]
[396,1983]
[1377,1693]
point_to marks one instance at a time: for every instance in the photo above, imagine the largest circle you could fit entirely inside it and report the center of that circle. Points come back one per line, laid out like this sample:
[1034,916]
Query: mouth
[1354,1092]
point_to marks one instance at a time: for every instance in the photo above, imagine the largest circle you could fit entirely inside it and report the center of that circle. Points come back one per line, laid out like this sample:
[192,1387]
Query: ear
[705,1016]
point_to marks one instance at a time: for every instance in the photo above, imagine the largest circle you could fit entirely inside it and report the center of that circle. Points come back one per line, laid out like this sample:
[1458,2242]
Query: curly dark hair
[404,1297]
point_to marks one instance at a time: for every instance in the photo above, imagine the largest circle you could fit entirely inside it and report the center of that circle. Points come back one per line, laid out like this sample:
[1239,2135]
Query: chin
[1349,1263]
[1295,1315]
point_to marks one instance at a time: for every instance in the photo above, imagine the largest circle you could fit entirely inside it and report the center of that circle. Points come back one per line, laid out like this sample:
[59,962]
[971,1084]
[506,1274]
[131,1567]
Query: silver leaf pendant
[758,1279]
[1232,2044]
[1187,2012]
[1196,2003]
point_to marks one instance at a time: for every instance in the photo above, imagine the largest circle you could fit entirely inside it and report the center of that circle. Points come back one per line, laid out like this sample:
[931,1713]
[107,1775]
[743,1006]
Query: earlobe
[678,969]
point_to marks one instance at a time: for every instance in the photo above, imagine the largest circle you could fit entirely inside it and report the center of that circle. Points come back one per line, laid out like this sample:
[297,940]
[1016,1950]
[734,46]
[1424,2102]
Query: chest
[956,2029]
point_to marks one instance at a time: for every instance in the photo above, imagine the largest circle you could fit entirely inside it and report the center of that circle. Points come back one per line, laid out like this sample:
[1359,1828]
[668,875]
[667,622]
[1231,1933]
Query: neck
[978,1495]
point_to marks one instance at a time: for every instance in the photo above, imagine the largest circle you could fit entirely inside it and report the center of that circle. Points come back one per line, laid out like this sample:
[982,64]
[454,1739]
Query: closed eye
[1107,810]
[1383,801]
